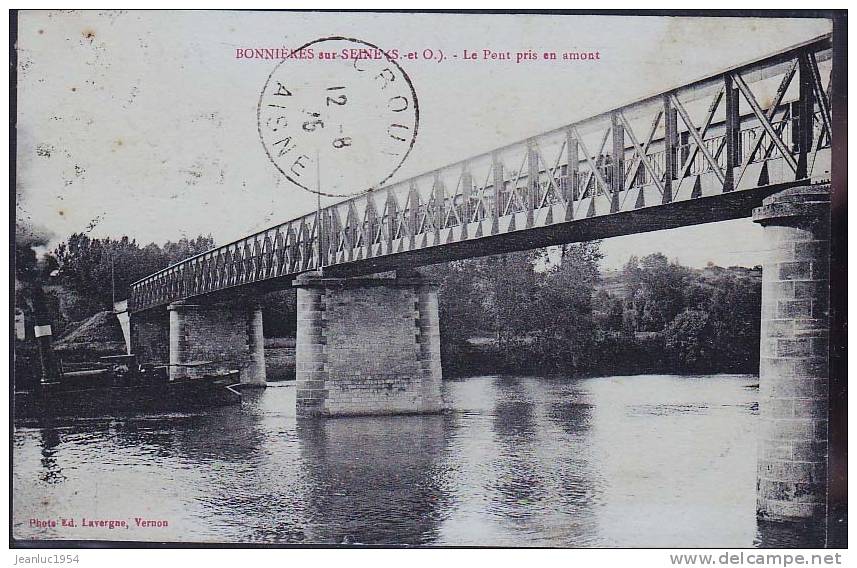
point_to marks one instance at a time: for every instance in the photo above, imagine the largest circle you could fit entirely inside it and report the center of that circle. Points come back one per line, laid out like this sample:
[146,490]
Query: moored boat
[119,386]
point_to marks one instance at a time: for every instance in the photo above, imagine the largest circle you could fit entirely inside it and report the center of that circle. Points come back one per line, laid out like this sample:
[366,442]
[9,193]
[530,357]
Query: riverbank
[616,354]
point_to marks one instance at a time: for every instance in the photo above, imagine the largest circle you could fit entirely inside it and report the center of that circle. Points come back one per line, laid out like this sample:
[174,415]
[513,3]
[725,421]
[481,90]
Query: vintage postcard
[429,279]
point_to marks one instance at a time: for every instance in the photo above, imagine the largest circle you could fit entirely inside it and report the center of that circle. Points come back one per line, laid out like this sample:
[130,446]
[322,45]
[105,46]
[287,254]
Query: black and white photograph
[429,279]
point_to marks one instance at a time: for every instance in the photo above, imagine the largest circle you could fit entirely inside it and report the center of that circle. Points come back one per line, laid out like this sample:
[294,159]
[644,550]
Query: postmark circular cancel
[338,118]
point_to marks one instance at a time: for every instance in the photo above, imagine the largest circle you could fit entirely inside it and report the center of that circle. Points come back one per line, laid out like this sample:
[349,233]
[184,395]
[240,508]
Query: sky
[144,123]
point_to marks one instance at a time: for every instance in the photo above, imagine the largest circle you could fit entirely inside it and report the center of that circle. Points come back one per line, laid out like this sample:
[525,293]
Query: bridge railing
[705,138]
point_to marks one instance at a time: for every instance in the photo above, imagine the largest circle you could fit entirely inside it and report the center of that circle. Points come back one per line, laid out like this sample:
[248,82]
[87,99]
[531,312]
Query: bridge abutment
[227,336]
[367,346]
[794,369]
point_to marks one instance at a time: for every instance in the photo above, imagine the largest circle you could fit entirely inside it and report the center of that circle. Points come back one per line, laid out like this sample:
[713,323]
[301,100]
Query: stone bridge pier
[367,346]
[224,335]
[792,477]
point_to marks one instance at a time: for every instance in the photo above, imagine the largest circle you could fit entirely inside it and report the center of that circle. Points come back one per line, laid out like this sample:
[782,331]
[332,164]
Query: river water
[655,461]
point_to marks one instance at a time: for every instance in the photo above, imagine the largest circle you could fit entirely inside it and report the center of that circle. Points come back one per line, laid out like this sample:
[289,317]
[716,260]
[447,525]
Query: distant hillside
[611,280]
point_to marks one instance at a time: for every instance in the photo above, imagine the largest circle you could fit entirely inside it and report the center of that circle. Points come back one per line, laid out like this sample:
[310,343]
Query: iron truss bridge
[702,152]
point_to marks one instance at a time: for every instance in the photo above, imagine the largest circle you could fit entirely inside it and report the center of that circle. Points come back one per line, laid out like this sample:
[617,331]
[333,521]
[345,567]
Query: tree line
[82,275]
[97,267]
[533,312]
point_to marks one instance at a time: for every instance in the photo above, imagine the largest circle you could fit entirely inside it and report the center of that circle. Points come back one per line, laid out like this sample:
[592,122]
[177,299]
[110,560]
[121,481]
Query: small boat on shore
[118,386]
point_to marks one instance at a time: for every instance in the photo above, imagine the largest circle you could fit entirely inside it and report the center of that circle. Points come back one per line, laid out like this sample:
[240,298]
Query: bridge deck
[703,152]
